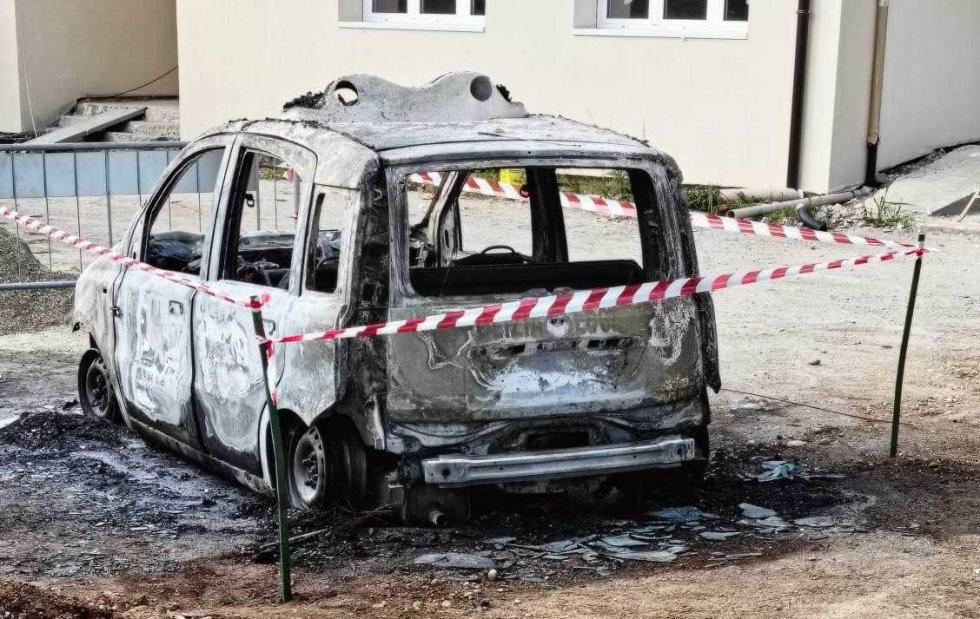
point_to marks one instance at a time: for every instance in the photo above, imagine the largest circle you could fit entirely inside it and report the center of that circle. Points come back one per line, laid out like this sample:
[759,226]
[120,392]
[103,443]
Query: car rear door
[255,253]
[152,314]
[618,359]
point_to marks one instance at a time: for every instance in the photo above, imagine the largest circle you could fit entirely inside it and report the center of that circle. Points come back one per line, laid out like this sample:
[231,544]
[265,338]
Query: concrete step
[119,136]
[157,110]
[89,125]
[146,130]
[942,187]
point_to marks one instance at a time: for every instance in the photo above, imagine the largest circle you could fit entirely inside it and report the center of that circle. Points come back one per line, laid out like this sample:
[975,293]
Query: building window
[676,18]
[448,12]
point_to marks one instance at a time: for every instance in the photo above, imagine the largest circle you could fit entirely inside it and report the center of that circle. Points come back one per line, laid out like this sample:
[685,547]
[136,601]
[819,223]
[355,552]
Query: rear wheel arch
[327,454]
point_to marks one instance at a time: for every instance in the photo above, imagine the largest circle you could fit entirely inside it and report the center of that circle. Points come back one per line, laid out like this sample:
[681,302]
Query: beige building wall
[838,93]
[9,73]
[720,107]
[72,48]
[820,94]
[932,78]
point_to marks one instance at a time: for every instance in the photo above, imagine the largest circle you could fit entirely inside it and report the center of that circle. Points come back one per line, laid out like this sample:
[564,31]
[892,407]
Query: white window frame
[714,26]
[414,19]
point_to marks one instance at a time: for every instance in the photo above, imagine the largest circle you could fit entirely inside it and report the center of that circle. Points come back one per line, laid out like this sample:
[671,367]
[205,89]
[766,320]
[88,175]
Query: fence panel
[92,189]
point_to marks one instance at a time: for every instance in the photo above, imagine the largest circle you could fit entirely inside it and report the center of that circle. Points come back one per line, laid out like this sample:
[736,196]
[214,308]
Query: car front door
[255,253]
[152,314]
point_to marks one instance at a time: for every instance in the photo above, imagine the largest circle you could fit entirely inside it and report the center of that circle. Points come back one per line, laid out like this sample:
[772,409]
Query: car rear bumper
[461,470]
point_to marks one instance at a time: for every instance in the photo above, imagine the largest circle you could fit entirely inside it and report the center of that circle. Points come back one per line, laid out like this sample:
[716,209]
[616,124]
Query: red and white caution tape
[758,228]
[533,307]
[618,208]
[38,227]
[588,300]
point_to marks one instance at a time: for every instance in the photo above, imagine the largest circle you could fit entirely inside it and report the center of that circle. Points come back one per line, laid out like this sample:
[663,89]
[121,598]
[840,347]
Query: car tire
[95,392]
[307,468]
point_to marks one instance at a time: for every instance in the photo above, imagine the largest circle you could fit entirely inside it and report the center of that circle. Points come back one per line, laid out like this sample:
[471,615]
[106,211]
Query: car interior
[444,262]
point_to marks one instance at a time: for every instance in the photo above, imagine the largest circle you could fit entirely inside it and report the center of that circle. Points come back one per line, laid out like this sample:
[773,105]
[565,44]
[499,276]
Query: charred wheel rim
[96,390]
[309,468]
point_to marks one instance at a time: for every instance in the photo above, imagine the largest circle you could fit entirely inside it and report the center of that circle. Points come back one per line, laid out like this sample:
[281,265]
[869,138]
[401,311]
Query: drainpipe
[799,82]
[877,83]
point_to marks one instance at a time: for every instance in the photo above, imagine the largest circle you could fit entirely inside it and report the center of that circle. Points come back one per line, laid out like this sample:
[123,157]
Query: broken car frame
[414,419]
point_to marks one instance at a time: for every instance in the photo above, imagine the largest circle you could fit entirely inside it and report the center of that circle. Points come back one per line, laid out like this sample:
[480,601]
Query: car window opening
[464,244]
[323,255]
[178,227]
[262,222]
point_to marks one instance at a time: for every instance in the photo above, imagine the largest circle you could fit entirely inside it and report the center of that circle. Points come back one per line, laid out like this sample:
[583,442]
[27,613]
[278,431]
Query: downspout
[877,85]
[799,84]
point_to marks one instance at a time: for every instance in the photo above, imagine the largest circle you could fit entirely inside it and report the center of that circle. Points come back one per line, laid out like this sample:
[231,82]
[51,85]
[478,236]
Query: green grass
[884,214]
[614,186]
[705,198]
[786,216]
[268,174]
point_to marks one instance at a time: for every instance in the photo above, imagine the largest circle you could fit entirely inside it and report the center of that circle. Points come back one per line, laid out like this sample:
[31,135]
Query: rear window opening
[465,243]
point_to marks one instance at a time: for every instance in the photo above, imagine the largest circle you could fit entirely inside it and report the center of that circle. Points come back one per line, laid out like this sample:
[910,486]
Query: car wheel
[95,393]
[307,468]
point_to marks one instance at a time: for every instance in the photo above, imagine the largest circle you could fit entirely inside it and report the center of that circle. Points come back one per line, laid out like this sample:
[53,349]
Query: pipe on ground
[760,194]
[57,285]
[832,198]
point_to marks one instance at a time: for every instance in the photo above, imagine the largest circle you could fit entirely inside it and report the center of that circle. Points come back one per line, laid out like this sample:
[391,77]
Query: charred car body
[412,419]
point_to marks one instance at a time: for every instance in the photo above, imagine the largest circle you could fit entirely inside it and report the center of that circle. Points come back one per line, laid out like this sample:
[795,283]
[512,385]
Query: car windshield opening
[523,231]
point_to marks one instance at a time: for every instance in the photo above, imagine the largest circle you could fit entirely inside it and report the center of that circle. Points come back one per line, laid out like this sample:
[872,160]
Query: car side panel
[154,353]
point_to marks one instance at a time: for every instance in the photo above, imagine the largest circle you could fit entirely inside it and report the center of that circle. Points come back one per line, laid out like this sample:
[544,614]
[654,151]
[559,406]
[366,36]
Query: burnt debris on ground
[733,516]
[57,432]
[123,504]
[128,508]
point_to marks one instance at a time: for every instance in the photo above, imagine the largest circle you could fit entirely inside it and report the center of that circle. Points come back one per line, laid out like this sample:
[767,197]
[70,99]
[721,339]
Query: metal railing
[92,189]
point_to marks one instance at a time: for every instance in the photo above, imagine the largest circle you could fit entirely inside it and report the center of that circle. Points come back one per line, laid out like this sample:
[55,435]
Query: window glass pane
[629,9]
[177,233]
[389,6]
[262,223]
[737,10]
[323,259]
[439,7]
[685,9]
[478,7]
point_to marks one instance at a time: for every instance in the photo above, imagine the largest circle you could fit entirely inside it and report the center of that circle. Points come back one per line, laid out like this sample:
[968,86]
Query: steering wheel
[507,247]
[255,272]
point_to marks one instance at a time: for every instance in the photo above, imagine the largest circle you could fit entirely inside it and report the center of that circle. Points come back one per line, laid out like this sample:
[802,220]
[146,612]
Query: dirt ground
[94,523]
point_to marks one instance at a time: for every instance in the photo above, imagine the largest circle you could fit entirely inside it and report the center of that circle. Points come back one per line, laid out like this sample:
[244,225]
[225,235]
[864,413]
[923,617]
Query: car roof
[443,117]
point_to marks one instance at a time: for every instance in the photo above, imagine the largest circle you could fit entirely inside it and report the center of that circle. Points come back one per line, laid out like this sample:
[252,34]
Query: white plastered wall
[720,107]
[931,85]
[10,120]
[73,48]
[820,94]
[932,78]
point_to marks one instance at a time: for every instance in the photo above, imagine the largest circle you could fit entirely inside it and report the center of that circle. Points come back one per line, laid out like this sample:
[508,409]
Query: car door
[152,314]
[254,254]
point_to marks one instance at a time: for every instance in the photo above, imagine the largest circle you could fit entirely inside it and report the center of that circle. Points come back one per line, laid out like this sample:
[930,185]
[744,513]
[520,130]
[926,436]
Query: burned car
[320,211]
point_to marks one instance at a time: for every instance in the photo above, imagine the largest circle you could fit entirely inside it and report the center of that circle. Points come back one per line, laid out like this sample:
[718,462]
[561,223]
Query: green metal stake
[897,411]
[278,451]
